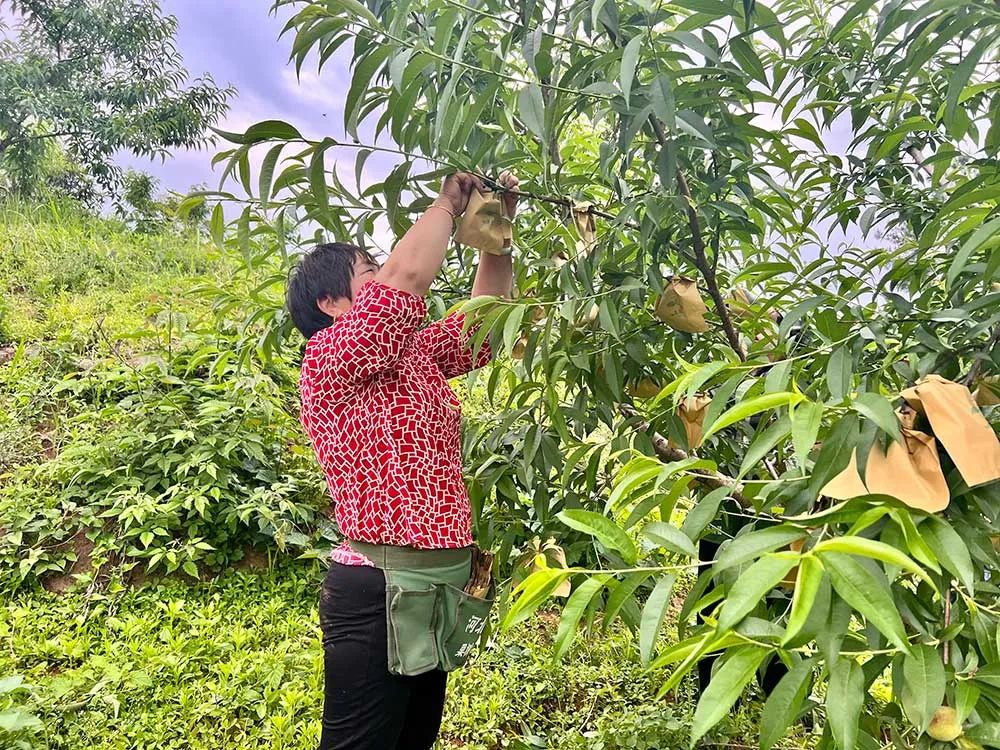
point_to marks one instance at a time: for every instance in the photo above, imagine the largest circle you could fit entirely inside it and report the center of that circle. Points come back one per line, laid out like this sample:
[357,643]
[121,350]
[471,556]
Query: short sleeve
[371,336]
[451,348]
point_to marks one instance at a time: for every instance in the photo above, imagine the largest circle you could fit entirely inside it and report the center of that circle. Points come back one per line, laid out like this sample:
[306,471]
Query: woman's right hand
[456,191]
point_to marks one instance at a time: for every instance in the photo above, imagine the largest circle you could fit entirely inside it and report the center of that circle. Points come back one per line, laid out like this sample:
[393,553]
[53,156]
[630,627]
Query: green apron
[431,622]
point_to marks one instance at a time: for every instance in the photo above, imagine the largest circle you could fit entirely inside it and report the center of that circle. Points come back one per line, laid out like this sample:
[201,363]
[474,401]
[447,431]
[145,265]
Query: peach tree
[747,230]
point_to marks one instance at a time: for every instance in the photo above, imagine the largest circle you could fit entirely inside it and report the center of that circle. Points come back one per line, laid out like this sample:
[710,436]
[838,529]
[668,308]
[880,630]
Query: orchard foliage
[98,76]
[730,143]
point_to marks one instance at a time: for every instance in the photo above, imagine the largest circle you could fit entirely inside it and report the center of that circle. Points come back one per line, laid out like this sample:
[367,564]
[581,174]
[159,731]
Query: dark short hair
[324,271]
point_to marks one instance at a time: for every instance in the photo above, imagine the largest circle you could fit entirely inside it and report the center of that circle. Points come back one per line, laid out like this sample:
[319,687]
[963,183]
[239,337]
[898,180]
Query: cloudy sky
[236,42]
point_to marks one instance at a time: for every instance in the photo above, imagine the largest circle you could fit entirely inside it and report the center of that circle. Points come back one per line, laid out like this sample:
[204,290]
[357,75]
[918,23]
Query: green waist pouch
[431,621]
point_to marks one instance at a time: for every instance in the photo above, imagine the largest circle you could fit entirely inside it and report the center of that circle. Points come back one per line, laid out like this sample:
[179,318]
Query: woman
[384,424]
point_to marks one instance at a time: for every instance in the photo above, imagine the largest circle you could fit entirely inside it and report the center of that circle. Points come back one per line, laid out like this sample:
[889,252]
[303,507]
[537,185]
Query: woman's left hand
[509,181]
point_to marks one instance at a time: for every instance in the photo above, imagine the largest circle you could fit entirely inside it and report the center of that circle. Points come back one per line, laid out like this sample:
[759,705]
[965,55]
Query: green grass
[237,663]
[62,272]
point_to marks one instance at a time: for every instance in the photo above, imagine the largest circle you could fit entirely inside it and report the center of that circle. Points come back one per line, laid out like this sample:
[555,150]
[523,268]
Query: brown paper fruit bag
[691,412]
[555,557]
[681,307]
[586,227]
[909,471]
[960,426]
[484,225]
[645,388]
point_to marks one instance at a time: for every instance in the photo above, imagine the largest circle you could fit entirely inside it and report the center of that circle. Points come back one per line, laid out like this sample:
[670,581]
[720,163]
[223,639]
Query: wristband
[446,210]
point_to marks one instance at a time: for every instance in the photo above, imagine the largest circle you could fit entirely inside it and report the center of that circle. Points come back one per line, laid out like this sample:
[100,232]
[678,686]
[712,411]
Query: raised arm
[495,273]
[417,258]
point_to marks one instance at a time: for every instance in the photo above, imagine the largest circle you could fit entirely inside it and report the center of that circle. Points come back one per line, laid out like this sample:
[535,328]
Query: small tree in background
[99,76]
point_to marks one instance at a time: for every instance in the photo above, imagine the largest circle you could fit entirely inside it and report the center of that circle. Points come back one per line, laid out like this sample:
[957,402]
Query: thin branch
[665,451]
[701,260]
[977,367]
[914,152]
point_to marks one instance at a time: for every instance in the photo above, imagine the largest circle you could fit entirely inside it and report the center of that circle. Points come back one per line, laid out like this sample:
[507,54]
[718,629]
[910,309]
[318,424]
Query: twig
[553,199]
[666,452]
[977,366]
[918,158]
[701,260]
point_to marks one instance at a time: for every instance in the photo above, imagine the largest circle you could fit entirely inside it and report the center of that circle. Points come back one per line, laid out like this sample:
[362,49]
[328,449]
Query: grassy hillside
[116,398]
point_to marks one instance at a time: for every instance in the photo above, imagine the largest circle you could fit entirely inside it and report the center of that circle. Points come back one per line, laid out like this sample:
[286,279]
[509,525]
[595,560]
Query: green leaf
[512,326]
[531,107]
[835,453]
[987,733]
[857,545]
[877,408]
[839,373]
[746,409]
[621,593]
[959,78]
[573,611]
[661,96]
[267,174]
[702,514]
[747,59]
[354,8]
[630,57]
[845,697]
[713,8]
[694,124]
[531,592]
[753,544]
[950,549]
[217,226]
[807,583]
[271,130]
[751,587]
[652,616]
[727,684]
[604,529]
[764,443]
[317,176]
[671,538]
[806,420]
[784,703]
[867,591]
[977,240]
[923,685]
[190,568]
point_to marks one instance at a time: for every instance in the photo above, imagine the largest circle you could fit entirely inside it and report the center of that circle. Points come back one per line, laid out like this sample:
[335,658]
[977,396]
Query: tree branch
[977,367]
[701,259]
[664,451]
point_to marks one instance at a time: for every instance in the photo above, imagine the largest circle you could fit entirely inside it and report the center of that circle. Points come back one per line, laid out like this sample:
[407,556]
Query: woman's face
[364,271]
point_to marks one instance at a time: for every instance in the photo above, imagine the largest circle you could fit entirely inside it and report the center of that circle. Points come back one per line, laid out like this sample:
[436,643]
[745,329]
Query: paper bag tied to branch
[485,226]
[959,425]
[681,307]
[555,557]
[692,415]
[909,471]
[586,227]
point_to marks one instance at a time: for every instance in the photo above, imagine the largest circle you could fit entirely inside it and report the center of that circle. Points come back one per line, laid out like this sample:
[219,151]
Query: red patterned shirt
[384,422]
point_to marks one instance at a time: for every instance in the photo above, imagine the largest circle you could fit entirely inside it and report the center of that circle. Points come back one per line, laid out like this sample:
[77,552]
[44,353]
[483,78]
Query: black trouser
[366,707]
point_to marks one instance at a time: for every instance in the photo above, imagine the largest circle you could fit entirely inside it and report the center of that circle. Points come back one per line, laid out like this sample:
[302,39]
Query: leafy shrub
[18,724]
[177,461]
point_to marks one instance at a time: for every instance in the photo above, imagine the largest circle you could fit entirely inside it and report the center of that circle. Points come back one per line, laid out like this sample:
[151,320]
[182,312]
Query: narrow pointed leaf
[653,613]
[726,686]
